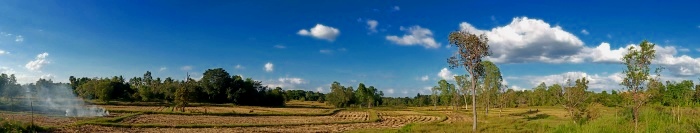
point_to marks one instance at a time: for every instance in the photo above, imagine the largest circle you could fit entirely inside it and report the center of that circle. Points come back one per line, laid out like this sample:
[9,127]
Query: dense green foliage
[216,86]
[341,96]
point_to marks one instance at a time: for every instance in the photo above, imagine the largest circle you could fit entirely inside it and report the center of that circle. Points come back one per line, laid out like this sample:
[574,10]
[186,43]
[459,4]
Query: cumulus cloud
[666,56]
[47,76]
[287,83]
[186,68]
[319,89]
[39,62]
[416,35]
[446,74]
[603,53]
[321,32]
[425,78]
[292,80]
[19,38]
[585,32]
[372,25]
[597,82]
[7,70]
[268,67]
[2,52]
[529,40]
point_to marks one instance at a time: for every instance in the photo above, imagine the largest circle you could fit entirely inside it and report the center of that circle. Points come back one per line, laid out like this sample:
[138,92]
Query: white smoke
[58,99]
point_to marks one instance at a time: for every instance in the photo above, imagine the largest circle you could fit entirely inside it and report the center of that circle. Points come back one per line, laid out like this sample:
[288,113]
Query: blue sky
[399,47]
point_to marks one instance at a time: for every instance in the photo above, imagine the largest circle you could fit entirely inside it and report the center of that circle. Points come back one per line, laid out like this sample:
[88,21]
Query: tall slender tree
[637,75]
[492,83]
[470,49]
[463,83]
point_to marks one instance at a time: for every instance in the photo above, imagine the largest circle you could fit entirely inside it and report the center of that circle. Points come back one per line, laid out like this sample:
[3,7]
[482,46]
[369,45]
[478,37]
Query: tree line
[341,96]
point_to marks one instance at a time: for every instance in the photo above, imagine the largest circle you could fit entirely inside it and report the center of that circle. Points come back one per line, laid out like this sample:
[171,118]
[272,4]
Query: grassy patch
[8,126]
[652,119]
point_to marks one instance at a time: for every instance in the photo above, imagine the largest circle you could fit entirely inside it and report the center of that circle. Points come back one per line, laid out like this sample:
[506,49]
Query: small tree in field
[575,100]
[637,75]
[470,49]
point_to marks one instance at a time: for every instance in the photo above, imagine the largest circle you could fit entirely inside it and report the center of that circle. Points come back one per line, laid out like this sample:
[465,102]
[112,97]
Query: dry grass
[202,109]
[173,120]
[400,113]
[386,122]
[307,104]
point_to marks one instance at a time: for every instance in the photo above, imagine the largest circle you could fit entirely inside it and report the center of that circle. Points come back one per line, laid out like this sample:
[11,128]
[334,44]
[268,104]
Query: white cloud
[416,36]
[292,80]
[390,91]
[446,74]
[529,40]
[163,69]
[425,78]
[596,82]
[2,52]
[397,8]
[321,32]
[372,25]
[585,32]
[684,50]
[287,83]
[319,89]
[326,51]
[603,53]
[7,70]
[517,88]
[186,68]
[280,46]
[38,63]
[682,65]
[19,38]
[239,67]
[47,76]
[268,67]
[666,56]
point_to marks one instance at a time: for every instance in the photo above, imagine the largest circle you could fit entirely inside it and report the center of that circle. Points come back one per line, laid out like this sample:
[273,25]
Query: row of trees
[302,95]
[216,86]
[341,96]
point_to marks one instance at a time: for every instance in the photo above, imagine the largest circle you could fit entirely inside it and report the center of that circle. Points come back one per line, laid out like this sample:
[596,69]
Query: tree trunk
[635,108]
[487,107]
[474,101]
[466,106]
